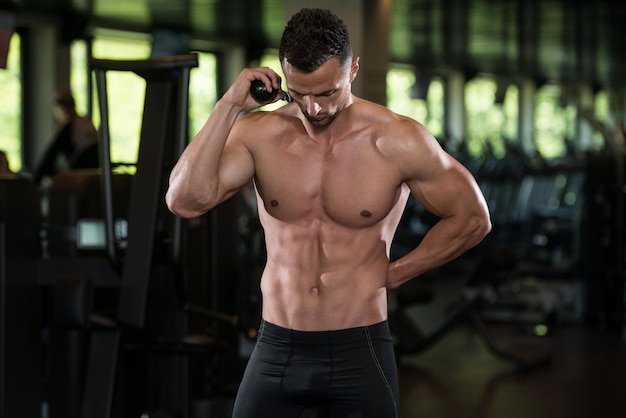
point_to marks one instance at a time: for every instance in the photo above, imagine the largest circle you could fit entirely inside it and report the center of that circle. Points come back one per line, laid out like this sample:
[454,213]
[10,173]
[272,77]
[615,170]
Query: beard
[326,117]
[319,121]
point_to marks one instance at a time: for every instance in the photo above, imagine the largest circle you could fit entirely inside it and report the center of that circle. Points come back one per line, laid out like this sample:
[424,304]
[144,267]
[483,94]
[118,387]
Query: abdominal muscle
[322,276]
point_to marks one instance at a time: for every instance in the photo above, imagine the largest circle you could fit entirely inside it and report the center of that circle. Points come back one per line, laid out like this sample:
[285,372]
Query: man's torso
[329,207]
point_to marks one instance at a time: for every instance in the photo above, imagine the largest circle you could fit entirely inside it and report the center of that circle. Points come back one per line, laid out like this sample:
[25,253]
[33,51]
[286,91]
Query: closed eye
[323,94]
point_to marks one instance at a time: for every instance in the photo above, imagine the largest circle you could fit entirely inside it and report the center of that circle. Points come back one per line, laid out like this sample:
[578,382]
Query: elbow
[486,228]
[477,227]
[177,205]
[172,201]
[482,226]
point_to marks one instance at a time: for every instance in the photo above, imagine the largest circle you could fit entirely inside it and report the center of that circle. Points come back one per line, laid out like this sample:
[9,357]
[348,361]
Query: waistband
[340,336]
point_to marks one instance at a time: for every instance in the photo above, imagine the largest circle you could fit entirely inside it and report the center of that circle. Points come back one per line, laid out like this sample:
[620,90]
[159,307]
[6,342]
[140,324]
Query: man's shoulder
[258,126]
[378,114]
[396,135]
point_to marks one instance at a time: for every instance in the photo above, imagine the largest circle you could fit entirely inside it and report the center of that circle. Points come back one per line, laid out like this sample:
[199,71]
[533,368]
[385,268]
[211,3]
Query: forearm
[194,183]
[445,241]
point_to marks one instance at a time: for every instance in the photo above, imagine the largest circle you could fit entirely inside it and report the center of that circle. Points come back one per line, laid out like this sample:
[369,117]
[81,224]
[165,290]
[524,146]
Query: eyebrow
[324,93]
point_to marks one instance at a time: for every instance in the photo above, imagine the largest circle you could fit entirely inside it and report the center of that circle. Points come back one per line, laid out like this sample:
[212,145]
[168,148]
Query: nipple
[274,203]
[366,213]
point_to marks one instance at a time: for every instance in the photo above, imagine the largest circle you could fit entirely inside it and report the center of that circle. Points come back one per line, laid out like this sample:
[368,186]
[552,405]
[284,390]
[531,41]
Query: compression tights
[334,374]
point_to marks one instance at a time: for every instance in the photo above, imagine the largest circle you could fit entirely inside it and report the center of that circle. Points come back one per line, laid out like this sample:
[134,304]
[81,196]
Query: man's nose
[312,107]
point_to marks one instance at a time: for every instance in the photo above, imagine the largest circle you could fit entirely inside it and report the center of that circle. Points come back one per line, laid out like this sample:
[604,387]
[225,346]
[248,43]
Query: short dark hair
[312,37]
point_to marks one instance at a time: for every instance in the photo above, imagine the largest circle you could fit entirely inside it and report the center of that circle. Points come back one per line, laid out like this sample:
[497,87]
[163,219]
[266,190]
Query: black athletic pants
[347,373]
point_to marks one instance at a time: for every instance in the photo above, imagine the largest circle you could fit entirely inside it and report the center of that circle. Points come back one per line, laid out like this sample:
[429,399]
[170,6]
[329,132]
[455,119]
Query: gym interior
[110,306]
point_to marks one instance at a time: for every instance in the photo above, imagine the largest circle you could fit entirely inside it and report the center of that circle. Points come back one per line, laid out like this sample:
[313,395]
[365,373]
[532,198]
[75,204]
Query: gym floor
[459,378]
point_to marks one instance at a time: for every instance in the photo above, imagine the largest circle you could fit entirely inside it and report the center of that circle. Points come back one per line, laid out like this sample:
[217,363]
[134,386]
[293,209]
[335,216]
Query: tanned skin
[332,173]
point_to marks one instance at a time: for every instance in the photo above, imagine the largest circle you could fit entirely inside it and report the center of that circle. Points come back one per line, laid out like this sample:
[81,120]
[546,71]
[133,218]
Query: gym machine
[126,289]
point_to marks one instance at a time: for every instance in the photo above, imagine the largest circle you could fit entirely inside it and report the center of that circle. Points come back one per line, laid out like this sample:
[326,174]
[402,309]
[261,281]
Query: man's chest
[352,187]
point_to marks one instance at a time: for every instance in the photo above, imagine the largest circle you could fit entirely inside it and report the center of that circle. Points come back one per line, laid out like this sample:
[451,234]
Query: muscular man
[332,173]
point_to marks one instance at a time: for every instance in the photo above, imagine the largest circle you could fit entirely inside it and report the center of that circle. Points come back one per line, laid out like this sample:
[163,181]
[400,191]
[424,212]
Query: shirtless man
[332,173]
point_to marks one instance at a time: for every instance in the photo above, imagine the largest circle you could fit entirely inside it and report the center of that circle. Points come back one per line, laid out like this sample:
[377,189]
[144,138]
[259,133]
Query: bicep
[206,175]
[448,189]
[438,181]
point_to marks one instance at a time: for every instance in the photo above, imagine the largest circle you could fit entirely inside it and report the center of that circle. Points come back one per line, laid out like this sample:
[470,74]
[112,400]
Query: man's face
[323,93]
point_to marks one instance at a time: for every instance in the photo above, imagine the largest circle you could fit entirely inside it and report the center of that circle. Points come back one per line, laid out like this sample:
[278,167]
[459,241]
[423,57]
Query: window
[78,76]
[483,121]
[10,106]
[202,91]
[602,113]
[403,92]
[554,122]
[126,92]
[492,116]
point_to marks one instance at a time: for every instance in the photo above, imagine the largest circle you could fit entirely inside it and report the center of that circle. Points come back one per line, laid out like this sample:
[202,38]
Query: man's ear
[354,68]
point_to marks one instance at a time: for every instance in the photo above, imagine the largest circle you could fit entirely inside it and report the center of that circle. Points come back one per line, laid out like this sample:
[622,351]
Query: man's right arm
[216,163]
[209,171]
